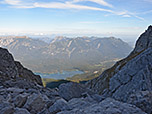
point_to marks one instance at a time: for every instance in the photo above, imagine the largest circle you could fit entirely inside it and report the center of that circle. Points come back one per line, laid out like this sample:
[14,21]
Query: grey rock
[72,90]
[36,103]
[143,100]
[129,83]
[15,90]
[81,103]
[59,105]
[20,111]
[44,111]
[20,100]
[1,98]
[144,41]
[107,106]
[28,74]
[6,108]
[10,69]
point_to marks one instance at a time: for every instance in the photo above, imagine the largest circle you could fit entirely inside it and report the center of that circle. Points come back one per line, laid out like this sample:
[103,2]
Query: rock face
[136,75]
[27,74]
[130,75]
[142,99]
[144,41]
[10,69]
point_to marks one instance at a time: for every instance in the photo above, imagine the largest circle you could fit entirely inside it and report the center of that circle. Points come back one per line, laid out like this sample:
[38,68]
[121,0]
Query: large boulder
[21,111]
[72,90]
[36,103]
[59,105]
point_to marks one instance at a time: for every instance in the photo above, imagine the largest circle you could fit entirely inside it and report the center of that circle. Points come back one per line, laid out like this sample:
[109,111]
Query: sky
[119,18]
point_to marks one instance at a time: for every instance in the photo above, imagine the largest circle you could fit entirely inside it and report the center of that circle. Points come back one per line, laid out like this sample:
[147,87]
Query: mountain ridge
[65,53]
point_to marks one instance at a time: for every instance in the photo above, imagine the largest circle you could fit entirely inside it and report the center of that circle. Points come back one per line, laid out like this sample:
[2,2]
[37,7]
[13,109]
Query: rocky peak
[144,41]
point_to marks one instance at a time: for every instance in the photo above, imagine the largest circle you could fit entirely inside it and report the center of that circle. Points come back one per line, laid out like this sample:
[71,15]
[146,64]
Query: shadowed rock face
[10,69]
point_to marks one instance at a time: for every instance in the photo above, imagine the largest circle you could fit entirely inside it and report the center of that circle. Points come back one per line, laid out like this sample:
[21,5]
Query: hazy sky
[120,18]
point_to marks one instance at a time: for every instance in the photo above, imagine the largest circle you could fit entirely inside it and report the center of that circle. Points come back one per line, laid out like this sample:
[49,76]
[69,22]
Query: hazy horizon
[71,18]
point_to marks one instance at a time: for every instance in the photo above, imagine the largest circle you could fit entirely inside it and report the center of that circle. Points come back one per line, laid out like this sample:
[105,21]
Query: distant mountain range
[65,53]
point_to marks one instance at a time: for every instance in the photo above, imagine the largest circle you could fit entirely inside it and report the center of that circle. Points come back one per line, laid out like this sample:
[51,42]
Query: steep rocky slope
[10,69]
[130,75]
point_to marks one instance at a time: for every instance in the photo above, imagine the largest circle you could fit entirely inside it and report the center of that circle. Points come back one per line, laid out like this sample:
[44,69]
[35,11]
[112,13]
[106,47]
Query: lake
[60,75]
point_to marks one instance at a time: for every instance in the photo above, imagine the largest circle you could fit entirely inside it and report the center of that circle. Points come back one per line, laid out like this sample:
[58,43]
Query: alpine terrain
[125,88]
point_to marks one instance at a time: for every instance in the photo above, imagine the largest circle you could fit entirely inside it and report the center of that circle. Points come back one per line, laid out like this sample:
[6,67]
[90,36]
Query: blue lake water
[60,75]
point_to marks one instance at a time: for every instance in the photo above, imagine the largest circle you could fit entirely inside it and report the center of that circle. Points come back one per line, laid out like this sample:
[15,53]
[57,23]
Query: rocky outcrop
[10,69]
[73,90]
[144,41]
[130,75]
[100,83]
[136,75]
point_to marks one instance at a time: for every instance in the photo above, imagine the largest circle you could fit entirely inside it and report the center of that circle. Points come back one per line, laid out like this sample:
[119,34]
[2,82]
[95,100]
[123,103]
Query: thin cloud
[126,15]
[70,5]
[12,2]
[101,2]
